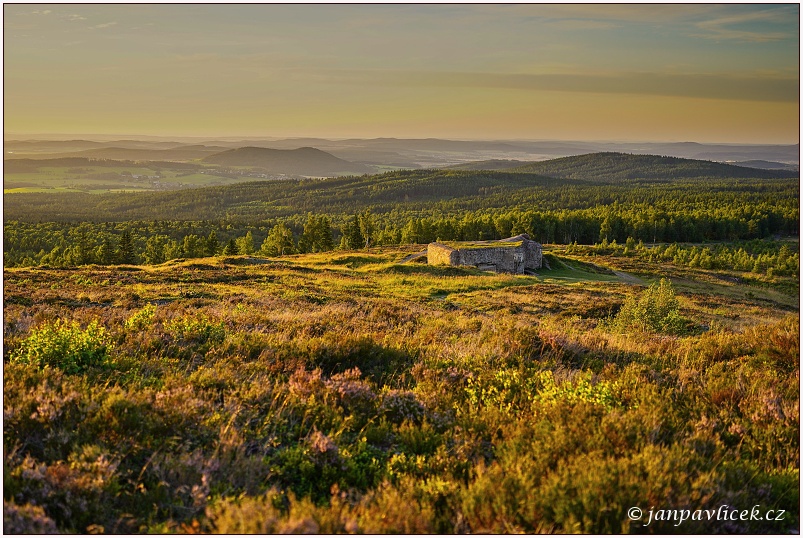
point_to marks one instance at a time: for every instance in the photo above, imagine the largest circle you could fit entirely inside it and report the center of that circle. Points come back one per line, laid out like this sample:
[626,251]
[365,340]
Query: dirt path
[630,279]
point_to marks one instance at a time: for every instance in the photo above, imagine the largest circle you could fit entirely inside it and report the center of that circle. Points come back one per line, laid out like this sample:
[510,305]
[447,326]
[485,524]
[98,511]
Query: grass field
[344,392]
[100,179]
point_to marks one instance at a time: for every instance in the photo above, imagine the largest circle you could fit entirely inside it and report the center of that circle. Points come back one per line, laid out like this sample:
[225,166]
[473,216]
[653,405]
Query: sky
[704,73]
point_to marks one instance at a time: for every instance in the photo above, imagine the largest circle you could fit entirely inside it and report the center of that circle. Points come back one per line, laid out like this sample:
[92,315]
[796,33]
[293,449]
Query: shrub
[141,319]
[580,390]
[26,519]
[400,405]
[655,310]
[65,346]
[352,392]
[198,329]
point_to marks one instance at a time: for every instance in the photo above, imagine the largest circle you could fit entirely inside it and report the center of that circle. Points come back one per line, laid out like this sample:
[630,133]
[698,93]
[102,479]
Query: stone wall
[503,258]
[533,257]
[438,254]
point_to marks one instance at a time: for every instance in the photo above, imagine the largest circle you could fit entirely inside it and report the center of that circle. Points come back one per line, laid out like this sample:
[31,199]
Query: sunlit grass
[344,392]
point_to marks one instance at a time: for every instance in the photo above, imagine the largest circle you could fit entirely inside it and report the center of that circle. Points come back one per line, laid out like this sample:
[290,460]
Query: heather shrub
[26,519]
[75,494]
[401,405]
[64,345]
[592,492]
[352,392]
[395,510]
[304,383]
[335,354]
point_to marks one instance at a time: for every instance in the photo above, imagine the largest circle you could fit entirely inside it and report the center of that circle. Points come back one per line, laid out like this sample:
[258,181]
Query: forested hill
[492,164]
[301,161]
[613,167]
[416,189]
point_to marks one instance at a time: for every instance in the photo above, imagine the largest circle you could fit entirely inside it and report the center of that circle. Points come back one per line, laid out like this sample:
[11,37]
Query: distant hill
[492,164]
[609,176]
[11,166]
[121,152]
[767,165]
[184,153]
[299,162]
[626,167]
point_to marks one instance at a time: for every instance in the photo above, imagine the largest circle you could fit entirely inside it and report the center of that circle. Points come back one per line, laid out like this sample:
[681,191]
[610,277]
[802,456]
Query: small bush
[141,319]
[26,519]
[655,310]
[400,405]
[580,390]
[198,329]
[65,346]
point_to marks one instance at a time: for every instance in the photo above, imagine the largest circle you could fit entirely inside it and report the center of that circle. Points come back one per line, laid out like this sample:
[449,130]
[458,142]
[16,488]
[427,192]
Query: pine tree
[246,244]
[352,236]
[324,235]
[231,248]
[106,254]
[155,250]
[83,253]
[125,251]
[212,245]
[307,241]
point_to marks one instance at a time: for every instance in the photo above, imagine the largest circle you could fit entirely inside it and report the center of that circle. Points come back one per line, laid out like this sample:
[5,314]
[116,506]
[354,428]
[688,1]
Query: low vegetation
[339,392]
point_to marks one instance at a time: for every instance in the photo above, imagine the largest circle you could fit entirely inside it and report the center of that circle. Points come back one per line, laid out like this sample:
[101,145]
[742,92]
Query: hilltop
[613,167]
[302,161]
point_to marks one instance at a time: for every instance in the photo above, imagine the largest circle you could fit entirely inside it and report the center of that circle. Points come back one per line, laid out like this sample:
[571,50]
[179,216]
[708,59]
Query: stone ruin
[517,254]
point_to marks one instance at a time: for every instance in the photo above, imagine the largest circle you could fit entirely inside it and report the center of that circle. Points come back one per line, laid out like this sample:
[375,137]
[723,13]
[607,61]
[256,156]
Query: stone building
[512,255]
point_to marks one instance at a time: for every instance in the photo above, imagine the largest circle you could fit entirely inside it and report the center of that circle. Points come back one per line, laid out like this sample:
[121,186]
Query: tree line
[152,242]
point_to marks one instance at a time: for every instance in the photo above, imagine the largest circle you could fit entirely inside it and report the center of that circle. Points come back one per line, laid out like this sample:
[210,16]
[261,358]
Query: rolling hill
[300,162]
[613,167]
[767,165]
[491,164]
[415,190]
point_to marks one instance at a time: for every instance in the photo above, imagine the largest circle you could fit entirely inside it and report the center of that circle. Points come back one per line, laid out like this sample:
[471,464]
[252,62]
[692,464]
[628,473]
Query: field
[345,392]
[102,179]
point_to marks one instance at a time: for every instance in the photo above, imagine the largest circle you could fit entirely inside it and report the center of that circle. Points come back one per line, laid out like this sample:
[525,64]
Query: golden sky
[706,73]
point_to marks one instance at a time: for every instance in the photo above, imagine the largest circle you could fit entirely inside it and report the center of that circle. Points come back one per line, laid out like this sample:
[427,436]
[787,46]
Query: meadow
[105,179]
[344,392]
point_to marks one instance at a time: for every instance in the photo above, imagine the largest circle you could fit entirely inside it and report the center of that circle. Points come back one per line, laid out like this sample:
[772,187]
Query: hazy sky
[708,73]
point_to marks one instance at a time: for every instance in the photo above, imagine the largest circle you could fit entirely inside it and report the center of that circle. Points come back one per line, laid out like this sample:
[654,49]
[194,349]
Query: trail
[630,279]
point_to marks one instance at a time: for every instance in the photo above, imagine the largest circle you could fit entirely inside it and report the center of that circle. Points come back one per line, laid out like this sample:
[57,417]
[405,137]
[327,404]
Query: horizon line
[132,136]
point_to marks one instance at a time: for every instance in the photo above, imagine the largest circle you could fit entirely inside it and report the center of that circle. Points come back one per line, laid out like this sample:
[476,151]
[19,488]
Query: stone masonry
[513,255]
